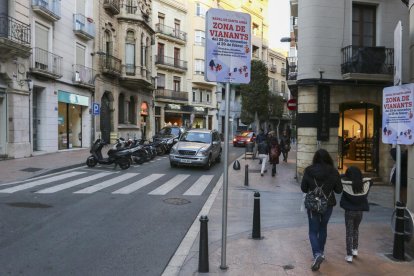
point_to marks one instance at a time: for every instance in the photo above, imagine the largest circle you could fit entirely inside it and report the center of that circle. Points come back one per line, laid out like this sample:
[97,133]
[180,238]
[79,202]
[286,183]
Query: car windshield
[196,137]
[170,131]
[246,134]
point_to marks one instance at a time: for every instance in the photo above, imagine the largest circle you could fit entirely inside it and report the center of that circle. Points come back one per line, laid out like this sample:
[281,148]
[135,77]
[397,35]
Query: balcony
[292,69]
[49,9]
[171,34]
[83,76]
[111,6]
[83,26]
[272,68]
[14,37]
[110,65]
[46,64]
[134,76]
[367,63]
[171,63]
[171,96]
[132,12]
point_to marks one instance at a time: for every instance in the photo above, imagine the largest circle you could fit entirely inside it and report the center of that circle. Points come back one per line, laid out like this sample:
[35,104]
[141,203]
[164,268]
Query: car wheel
[173,165]
[91,162]
[218,158]
[208,165]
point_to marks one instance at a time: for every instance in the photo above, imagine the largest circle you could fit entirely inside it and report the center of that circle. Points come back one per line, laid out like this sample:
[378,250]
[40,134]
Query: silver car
[197,147]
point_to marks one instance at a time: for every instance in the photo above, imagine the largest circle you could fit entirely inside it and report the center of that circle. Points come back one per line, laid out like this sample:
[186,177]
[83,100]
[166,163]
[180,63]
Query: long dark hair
[321,156]
[354,174]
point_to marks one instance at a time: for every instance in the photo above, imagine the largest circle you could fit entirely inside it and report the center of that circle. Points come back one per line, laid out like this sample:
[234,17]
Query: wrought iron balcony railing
[169,94]
[14,30]
[272,68]
[83,26]
[292,68]
[49,8]
[111,65]
[83,75]
[112,6]
[170,31]
[46,63]
[170,61]
[367,60]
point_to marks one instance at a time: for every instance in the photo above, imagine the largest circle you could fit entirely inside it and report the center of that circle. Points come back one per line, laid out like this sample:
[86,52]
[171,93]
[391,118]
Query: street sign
[228,46]
[291,104]
[95,109]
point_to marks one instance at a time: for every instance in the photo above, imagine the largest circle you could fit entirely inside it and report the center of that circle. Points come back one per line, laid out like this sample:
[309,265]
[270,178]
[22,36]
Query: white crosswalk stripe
[106,184]
[170,184]
[73,183]
[40,182]
[139,184]
[200,185]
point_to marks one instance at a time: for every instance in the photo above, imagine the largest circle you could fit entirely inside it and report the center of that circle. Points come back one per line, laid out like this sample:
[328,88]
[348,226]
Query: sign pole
[225,179]
[398,174]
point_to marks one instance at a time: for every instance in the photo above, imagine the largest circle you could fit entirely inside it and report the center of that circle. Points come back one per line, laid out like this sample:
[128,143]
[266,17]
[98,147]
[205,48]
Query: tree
[255,95]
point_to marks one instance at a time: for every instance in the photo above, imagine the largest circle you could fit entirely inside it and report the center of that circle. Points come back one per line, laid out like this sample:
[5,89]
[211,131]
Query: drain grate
[31,169]
[176,201]
[28,205]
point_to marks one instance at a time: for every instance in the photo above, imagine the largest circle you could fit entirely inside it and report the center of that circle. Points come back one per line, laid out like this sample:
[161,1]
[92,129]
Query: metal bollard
[246,175]
[256,217]
[398,249]
[203,250]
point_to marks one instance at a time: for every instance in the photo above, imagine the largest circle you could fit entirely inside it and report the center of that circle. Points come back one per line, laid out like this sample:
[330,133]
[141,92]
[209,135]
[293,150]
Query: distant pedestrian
[285,145]
[260,139]
[321,173]
[263,150]
[354,201]
[274,151]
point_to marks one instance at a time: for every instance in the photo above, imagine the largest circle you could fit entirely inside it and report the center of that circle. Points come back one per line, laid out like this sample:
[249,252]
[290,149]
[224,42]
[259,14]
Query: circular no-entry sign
[291,104]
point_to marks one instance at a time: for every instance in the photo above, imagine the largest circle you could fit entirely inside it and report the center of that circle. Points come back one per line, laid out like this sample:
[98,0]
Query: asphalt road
[101,221]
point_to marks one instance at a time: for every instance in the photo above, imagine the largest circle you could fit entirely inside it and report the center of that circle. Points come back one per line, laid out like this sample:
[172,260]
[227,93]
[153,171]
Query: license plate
[185,160]
[240,142]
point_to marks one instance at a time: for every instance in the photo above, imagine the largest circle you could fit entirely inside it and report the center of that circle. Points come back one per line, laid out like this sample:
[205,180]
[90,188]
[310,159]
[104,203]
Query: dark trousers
[285,155]
[318,230]
[273,169]
[352,221]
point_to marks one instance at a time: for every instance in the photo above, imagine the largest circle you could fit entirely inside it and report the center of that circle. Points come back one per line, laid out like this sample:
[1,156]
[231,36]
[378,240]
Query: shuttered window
[41,37]
[80,54]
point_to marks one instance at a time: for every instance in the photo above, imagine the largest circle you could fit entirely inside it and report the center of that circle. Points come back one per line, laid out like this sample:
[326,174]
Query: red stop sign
[291,104]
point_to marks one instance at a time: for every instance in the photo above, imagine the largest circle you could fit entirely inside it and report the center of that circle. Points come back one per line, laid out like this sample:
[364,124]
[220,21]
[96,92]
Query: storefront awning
[67,97]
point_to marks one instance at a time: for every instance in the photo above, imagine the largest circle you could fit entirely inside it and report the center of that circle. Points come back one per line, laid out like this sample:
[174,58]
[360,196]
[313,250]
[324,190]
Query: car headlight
[202,152]
[173,150]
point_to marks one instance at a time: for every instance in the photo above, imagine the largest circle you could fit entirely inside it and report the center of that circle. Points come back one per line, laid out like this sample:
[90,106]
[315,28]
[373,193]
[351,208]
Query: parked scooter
[121,156]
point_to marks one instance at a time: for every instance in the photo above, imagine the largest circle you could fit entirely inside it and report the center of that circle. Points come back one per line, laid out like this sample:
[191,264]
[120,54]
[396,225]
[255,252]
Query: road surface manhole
[28,205]
[176,201]
[31,169]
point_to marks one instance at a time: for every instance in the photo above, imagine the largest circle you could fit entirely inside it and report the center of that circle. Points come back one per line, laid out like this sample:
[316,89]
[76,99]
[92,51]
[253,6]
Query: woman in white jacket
[354,200]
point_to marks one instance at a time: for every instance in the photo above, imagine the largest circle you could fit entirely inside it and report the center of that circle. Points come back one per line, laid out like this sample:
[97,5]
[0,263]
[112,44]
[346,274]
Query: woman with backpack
[274,151]
[354,201]
[321,175]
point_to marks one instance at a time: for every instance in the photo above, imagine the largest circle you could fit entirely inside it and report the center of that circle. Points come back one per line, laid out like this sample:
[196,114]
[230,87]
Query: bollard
[203,250]
[398,249]
[246,175]
[256,217]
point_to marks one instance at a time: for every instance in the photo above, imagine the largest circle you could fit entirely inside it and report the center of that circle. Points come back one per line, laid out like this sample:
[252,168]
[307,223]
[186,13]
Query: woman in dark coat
[322,173]
[285,145]
[274,151]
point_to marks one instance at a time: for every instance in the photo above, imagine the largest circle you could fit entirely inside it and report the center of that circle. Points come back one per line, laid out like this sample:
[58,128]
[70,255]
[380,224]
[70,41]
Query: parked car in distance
[244,138]
[197,147]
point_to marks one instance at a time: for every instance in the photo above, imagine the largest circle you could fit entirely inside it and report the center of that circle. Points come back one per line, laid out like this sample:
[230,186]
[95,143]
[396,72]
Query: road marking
[200,185]
[39,182]
[106,184]
[73,183]
[170,184]
[139,184]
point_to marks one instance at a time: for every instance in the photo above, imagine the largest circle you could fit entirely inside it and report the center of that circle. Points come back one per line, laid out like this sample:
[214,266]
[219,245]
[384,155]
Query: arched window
[130,53]
[131,111]
[121,109]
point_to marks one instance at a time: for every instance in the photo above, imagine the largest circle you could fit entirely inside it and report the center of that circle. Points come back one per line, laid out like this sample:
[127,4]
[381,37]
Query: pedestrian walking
[274,151]
[259,139]
[354,201]
[263,150]
[320,174]
[285,145]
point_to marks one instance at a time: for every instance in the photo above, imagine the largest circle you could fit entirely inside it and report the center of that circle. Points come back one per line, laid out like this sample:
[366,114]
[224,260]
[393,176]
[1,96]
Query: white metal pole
[225,179]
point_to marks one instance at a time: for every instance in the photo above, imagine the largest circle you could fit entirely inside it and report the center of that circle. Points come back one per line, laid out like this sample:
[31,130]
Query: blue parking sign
[95,109]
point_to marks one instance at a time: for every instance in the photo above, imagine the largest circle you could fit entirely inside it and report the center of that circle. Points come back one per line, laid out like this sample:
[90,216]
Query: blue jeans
[318,230]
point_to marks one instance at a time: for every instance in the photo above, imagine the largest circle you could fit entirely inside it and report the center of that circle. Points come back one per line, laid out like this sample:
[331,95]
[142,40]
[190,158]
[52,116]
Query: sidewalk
[285,248]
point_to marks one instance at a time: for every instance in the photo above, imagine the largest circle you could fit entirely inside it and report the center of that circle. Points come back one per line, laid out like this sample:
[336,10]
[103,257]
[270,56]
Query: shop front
[144,118]
[198,117]
[70,116]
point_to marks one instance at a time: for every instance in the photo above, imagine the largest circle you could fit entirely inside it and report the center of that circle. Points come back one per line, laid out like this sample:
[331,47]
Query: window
[176,57]
[255,29]
[255,52]
[131,111]
[177,26]
[80,54]
[283,86]
[160,81]
[201,10]
[144,51]
[42,46]
[108,43]
[363,25]
[200,37]
[121,109]
[199,66]
[160,51]
[161,18]
[208,97]
[130,53]
[177,83]
[194,96]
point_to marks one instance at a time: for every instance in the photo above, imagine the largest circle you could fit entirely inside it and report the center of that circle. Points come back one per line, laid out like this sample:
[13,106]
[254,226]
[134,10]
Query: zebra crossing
[112,182]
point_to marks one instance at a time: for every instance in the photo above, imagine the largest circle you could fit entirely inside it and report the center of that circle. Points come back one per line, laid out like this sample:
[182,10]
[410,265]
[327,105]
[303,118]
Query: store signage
[324,112]
[174,106]
[95,109]
[199,109]
[398,115]
[71,98]
[228,46]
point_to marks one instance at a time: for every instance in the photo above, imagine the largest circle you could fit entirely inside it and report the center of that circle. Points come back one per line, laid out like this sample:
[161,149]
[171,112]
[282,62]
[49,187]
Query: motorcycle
[118,156]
